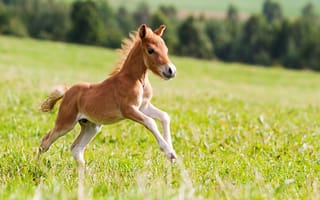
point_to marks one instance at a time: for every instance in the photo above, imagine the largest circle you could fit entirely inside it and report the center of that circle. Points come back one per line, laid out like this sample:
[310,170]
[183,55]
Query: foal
[126,94]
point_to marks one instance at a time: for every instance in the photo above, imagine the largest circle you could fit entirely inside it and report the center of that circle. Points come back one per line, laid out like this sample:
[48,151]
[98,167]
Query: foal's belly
[101,118]
[98,105]
[104,112]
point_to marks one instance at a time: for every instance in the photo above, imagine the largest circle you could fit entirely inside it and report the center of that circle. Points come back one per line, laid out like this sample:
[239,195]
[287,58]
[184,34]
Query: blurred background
[240,131]
[262,32]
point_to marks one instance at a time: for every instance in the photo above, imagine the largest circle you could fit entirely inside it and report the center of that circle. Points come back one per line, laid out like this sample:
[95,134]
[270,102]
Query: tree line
[268,38]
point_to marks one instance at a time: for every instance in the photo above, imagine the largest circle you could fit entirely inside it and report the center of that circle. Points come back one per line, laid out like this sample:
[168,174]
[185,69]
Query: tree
[256,42]
[4,19]
[232,14]
[216,32]
[113,35]
[225,35]
[169,11]
[11,2]
[303,50]
[125,20]
[142,14]
[193,41]
[308,12]
[51,21]
[159,18]
[282,43]
[106,13]
[11,24]
[272,11]
[306,31]
[233,30]
[87,25]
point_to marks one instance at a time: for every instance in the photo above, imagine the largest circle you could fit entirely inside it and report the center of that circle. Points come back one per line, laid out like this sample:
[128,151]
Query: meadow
[241,132]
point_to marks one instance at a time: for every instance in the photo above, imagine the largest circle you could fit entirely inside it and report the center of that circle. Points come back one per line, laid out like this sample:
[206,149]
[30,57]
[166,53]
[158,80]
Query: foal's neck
[134,65]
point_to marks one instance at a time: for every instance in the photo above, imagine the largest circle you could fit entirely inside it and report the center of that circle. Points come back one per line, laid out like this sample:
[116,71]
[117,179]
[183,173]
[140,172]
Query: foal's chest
[146,95]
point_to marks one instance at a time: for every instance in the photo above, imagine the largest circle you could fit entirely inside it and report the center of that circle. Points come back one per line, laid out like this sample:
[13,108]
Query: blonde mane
[126,47]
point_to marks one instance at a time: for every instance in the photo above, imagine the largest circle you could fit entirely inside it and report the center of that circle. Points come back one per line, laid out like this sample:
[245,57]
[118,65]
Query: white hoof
[172,156]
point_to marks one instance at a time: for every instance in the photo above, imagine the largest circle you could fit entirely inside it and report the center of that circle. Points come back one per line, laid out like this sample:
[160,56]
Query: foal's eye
[150,51]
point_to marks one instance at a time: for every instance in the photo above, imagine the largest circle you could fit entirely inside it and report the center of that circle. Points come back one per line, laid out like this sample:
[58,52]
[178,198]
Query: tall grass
[240,132]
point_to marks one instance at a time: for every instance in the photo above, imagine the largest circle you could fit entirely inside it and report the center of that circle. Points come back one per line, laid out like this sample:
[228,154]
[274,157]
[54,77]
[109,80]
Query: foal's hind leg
[88,131]
[65,122]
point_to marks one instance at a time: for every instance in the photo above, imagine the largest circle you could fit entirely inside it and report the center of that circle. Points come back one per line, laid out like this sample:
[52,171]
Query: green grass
[240,132]
[290,8]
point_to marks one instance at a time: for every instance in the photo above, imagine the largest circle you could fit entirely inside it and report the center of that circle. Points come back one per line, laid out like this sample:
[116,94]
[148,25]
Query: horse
[125,94]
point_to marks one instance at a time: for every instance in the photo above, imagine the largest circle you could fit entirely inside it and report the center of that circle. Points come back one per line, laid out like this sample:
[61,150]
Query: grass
[240,132]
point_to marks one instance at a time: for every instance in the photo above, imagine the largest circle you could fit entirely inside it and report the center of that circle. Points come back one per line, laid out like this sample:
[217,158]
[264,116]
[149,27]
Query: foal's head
[155,52]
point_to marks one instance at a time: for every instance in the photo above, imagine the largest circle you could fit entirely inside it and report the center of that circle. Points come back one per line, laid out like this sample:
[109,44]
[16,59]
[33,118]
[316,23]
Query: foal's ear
[143,31]
[159,31]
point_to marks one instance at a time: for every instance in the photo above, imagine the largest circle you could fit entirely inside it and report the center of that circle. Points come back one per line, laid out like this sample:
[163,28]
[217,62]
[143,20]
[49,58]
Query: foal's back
[96,102]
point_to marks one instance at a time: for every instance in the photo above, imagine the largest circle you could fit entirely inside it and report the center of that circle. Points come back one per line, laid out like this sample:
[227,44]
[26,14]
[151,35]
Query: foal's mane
[126,47]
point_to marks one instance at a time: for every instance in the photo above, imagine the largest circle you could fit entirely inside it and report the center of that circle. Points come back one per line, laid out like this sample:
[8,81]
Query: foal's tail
[56,94]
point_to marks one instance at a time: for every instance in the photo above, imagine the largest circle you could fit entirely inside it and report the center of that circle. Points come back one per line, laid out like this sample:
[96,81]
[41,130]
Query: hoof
[40,150]
[172,156]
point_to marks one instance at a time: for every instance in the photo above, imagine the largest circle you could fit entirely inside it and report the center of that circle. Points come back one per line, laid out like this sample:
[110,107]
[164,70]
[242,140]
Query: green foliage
[267,39]
[192,40]
[4,18]
[166,15]
[125,20]
[87,25]
[258,38]
[240,132]
[11,24]
[142,14]
[291,9]
[50,21]
[308,12]
[309,29]
[114,37]
[305,38]
[158,18]
[225,35]
[272,11]
[106,13]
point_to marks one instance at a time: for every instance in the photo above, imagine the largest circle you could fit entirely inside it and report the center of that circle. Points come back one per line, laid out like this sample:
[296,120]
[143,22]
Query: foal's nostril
[170,71]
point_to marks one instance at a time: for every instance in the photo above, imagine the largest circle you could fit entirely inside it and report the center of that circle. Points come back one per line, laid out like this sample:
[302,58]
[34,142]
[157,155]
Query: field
[240,132]
[290,8]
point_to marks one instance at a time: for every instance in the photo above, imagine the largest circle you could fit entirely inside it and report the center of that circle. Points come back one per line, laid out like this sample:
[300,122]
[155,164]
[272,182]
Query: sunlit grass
[240,132]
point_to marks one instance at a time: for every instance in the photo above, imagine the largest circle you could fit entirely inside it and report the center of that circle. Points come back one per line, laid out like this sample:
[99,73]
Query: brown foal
[126,94]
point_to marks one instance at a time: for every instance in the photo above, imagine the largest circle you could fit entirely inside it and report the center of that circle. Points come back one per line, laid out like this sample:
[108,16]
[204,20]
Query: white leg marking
[151,124]
[133,113]
[163,117]
[88,131]
[164,146]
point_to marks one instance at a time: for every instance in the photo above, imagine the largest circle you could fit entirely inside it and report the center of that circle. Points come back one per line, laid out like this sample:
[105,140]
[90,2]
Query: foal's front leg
[163,117]
[133,113]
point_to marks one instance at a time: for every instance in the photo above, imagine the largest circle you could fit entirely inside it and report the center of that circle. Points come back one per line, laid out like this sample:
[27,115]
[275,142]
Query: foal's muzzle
[168,71]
